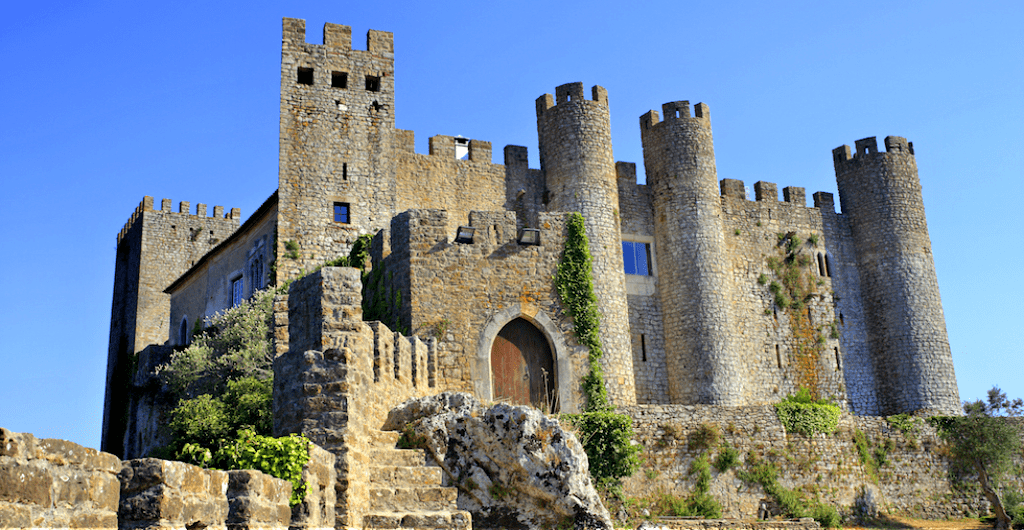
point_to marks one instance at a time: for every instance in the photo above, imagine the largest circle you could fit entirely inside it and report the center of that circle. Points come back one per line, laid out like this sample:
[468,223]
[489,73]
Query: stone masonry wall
[524,188]
[154,248]
[340,378]
[439,180]
[336,133]
[441,289]
[784,348]
[579,169]
[915,480]
[56,484]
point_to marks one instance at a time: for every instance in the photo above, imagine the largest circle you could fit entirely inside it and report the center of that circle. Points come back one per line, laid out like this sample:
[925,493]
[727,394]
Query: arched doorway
[523,367]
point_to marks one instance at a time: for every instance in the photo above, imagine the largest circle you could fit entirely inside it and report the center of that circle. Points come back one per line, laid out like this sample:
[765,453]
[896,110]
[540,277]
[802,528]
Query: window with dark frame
[636,258]
[339,79]
[236,292]
[341,213]
[305,76]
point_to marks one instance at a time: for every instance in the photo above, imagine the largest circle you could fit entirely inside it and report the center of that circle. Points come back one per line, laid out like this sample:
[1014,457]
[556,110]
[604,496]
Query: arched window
[183,332]
[821,265]
[828,266]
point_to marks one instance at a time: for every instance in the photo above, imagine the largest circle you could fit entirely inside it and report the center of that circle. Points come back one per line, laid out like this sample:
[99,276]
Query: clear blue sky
[104,102]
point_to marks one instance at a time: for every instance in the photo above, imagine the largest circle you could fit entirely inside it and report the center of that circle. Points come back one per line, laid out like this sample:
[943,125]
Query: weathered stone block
[27,482]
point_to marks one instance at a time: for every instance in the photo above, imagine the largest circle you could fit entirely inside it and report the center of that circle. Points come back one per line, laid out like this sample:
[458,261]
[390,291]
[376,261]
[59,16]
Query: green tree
[983,441]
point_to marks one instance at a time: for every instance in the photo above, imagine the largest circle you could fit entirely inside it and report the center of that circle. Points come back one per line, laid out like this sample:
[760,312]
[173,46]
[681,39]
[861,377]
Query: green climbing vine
[575,285]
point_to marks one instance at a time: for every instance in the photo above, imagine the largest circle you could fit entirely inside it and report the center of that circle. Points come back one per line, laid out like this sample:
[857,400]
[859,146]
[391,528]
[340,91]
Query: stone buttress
[679,156]
[881,195]
[576,158]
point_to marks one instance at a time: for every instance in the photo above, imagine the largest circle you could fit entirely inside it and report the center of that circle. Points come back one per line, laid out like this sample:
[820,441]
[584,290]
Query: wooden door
[523,366]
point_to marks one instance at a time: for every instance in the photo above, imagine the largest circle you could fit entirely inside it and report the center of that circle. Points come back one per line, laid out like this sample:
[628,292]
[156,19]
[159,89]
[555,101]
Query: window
[373,83]
[341,213]
[305,76]
[236,292]
[183,332]
[256,272]
[339,79]
[636,257]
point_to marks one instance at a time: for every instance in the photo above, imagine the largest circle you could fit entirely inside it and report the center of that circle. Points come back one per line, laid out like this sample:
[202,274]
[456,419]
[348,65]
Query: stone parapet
[56,484]
[163,494]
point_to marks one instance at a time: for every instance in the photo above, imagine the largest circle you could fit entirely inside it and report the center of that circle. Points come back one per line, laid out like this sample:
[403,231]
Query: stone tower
[337,126]
[691,255]
[578,166]
[881,195]
[154,248]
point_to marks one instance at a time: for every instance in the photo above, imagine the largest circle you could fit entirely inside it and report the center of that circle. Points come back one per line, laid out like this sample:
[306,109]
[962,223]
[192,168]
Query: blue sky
[105,102]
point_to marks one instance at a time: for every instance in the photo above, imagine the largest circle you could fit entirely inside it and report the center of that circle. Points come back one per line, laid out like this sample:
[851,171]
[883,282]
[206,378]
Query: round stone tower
[690,250]
[880,194]
[576,158]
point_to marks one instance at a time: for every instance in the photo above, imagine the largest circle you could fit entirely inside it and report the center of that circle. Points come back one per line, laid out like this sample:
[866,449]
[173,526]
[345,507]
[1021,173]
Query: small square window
[341,213]
[373,83]
[339,79]
[305,76]
[636,258]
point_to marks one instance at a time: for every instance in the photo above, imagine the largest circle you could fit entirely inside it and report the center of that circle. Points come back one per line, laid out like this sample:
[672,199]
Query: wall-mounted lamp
[465,234]
[529,236]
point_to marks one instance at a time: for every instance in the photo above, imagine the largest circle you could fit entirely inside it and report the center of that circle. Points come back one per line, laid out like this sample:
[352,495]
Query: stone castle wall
[915,480]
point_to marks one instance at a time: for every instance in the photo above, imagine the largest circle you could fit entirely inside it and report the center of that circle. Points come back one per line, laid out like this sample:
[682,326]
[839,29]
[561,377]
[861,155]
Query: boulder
[514,466]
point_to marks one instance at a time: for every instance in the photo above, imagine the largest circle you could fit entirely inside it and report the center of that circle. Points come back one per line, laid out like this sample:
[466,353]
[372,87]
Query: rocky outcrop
[514,466]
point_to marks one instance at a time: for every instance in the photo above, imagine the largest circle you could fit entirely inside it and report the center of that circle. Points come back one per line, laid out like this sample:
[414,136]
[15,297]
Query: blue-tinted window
[236,292]
[636,258]
[341,212]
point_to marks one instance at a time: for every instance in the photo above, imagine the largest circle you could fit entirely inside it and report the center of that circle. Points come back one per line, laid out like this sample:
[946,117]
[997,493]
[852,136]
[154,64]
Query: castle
[705,297]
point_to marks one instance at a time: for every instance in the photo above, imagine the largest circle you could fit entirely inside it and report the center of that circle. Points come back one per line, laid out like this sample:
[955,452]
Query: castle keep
[705,297]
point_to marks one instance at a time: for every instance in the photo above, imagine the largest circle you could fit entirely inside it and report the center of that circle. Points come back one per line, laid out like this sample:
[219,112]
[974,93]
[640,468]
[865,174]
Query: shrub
[705,436]
[800,413]
[282,457]
[728,458]
[607,439]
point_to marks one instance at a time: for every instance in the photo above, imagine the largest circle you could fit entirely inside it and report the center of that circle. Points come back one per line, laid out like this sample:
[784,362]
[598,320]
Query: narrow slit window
[373,83]
[344,171]
[643,348]
[821,265]
[828,266]
[339,79]
[305,76]
[839,362]
[342,213]
[778,356]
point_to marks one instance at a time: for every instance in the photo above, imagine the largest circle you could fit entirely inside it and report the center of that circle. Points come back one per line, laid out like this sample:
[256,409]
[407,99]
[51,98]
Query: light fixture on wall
[465,234]
[529,236]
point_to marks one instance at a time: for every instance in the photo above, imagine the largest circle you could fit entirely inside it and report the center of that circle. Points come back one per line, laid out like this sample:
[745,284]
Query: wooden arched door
[523,367]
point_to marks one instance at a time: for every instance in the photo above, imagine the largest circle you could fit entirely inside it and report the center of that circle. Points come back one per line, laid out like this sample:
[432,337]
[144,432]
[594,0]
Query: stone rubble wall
[56,484]
[916,480]
[341,377]
[689,523]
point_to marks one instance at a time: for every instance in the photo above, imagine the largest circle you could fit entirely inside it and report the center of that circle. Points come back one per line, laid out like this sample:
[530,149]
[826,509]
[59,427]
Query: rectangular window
[341,213]
[339,79]
[236,292]
[636,258]
[373,83]
[305,76]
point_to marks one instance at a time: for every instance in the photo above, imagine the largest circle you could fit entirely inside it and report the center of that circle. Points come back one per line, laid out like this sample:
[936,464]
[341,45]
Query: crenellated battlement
[676,110]
[184,207]
[768,192]
[571,93]
[456,147]
[338,37]
[868,147]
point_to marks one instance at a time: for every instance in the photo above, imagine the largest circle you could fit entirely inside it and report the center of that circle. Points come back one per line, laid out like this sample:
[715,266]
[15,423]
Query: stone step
[384,438]
[398,457]
[418,520]
[397,499]
[404,476]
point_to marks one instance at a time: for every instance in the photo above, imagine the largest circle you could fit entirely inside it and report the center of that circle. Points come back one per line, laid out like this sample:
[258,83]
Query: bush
[728,458]
[607,439]
[282,457]
[802,414]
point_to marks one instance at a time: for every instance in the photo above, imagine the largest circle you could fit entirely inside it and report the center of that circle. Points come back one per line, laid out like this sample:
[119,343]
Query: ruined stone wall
[576,158]
[784,348]
[468,291]
[881,195]
[915,480]
[207,288]
[340,378]
[56,484]
[336,132]
[440,180]
[154,248]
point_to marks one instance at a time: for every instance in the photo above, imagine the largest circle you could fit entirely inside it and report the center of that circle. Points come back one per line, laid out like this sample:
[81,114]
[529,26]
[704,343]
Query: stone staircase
[406,493]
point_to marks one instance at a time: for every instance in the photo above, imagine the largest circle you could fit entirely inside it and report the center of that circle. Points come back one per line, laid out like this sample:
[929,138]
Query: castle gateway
[705,297]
